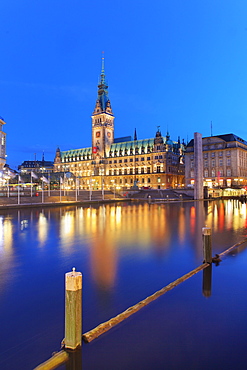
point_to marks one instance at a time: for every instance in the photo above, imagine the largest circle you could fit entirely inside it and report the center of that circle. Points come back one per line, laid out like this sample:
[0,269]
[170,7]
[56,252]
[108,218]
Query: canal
[126,252]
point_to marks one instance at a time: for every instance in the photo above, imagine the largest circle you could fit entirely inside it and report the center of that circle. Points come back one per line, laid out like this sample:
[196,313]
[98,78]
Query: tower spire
[103,62]
[102,76]
[102,119]
[135,135]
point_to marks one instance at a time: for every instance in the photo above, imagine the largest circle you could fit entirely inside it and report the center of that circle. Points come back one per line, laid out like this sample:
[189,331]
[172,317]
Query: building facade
[224,161]
[36,166]
[122,163]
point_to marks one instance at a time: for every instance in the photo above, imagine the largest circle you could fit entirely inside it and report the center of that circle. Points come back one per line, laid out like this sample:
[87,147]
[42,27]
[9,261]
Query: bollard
[207,244]
[73,309]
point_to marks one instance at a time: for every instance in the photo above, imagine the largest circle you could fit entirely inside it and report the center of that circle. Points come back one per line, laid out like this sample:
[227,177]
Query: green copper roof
[76,153]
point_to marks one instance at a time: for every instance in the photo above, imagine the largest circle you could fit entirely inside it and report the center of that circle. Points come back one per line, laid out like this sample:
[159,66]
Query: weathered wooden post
[73,309]
[207,244]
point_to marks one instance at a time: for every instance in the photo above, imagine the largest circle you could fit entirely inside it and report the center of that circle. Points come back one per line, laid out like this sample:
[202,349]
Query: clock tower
[102,121]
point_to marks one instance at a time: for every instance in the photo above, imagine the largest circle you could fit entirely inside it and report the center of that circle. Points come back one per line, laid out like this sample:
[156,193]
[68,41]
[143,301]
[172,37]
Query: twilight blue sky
[177,64]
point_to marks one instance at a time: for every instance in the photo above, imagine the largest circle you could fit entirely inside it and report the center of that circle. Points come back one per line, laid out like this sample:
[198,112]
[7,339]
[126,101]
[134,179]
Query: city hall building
[121,163]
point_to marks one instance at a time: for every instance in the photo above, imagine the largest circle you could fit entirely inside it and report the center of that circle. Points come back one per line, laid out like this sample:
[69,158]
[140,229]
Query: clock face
[109,134]
[98,134]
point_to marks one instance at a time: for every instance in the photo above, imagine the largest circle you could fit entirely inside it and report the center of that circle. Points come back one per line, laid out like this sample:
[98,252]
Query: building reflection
[6,252]
[42,227]
[108,232]
[6,235]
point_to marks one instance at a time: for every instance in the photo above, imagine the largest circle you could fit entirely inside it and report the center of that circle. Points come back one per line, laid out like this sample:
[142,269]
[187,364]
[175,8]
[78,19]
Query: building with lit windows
[122,163]
[224,161]
[36,166]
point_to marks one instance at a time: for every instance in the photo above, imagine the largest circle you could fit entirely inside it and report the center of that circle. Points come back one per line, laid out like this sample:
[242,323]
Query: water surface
[126,252]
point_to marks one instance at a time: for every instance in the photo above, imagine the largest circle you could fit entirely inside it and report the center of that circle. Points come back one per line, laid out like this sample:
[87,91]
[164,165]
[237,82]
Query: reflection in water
[226,215]
[199,222]
[6,235]
[130,228]
[75,359]
[127,252]
[207,281]
[67,228]
[42,229]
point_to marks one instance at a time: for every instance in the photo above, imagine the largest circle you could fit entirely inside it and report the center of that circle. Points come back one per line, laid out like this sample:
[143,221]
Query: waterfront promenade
[54,198]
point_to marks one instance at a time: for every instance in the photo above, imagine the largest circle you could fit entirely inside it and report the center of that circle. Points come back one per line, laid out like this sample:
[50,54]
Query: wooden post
[207,244]
[73,309]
